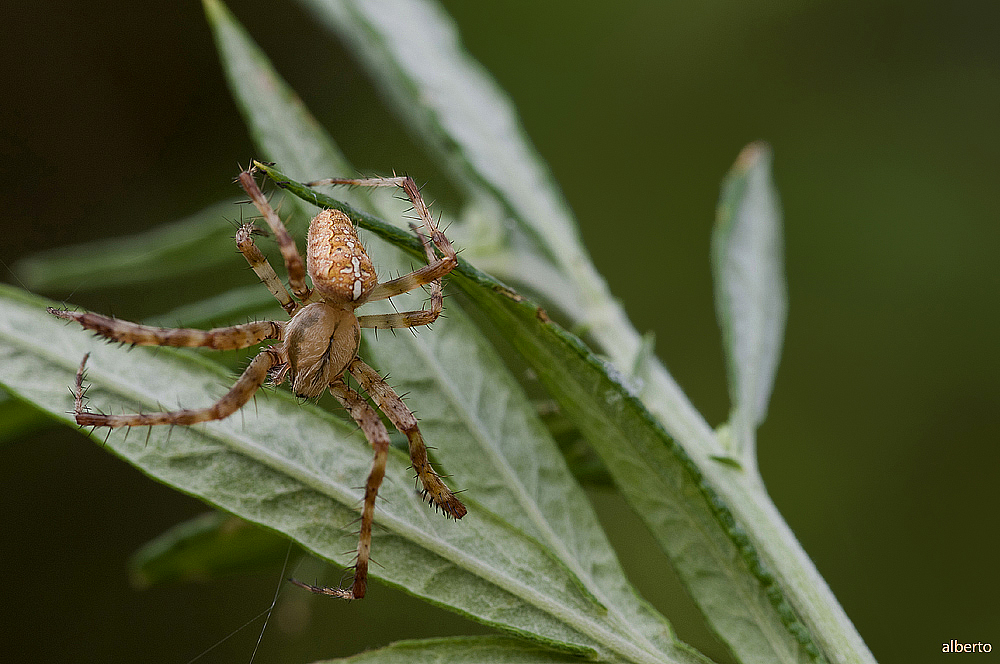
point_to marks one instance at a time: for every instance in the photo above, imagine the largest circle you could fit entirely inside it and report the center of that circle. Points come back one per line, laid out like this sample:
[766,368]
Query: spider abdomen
[320,341]
[337,262]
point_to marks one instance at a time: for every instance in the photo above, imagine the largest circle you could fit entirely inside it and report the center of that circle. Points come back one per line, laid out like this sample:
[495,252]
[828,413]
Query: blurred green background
[881,444]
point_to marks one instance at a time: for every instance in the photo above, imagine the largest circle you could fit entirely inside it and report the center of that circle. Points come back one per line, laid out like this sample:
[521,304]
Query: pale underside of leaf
[295,469]
[305,151]
[459,113]
[458,386]
[750,290]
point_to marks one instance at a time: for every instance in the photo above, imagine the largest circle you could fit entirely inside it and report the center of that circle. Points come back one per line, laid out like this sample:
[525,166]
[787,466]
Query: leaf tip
[754,154]
[214,10]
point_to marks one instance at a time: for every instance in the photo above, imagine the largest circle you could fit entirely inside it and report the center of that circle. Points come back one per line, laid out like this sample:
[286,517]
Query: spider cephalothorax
[317,346]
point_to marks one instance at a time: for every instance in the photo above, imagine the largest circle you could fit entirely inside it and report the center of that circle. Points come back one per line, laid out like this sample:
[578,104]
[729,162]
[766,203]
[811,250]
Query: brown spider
[317,345]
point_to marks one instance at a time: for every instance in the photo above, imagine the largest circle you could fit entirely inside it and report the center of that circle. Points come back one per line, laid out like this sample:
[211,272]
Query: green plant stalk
[288,134]
[292,467]
[724,486]
[778,554]
[489,154]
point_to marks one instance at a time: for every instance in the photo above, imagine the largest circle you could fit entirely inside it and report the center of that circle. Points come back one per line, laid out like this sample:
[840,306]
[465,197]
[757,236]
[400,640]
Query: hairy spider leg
[262,268]
[371,425]
[289,252]
[244,389]
[403,419]
[407,184]
[220,338]
[431,273]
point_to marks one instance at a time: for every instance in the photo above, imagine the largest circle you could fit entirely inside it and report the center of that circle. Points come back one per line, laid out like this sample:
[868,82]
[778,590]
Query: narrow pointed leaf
[200,241]
[747,260]
[461,390]
[412,51]
[296,469]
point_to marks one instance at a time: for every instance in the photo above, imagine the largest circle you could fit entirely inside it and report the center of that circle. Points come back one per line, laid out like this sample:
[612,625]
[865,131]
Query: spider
[316,347]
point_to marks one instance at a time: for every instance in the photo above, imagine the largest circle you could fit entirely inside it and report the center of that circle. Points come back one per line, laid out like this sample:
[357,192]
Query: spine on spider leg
[222,338]
[435,490]
[293,261]
[263,269]
[246,386]
[80,392]
[448,262]
[360,585]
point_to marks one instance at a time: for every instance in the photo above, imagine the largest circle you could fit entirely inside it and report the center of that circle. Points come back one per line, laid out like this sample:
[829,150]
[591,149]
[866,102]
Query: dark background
[881,444]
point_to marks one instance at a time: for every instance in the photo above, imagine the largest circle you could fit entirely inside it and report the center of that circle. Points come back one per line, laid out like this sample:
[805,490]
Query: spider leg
[430,273]
[403,419]
[437,267]
[293,260]
[398,320]
[407,184]
[378,437]
[220,338]
[246,386]
[263,269]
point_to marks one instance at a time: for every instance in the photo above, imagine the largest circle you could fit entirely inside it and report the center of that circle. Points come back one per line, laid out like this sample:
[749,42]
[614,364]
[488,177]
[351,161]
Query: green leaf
[749,290]
[248,301]
[459,650]
[688,517]
[198,242]
[744,601]
[295,469]
[457,111]
[457,384]
[210,546]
